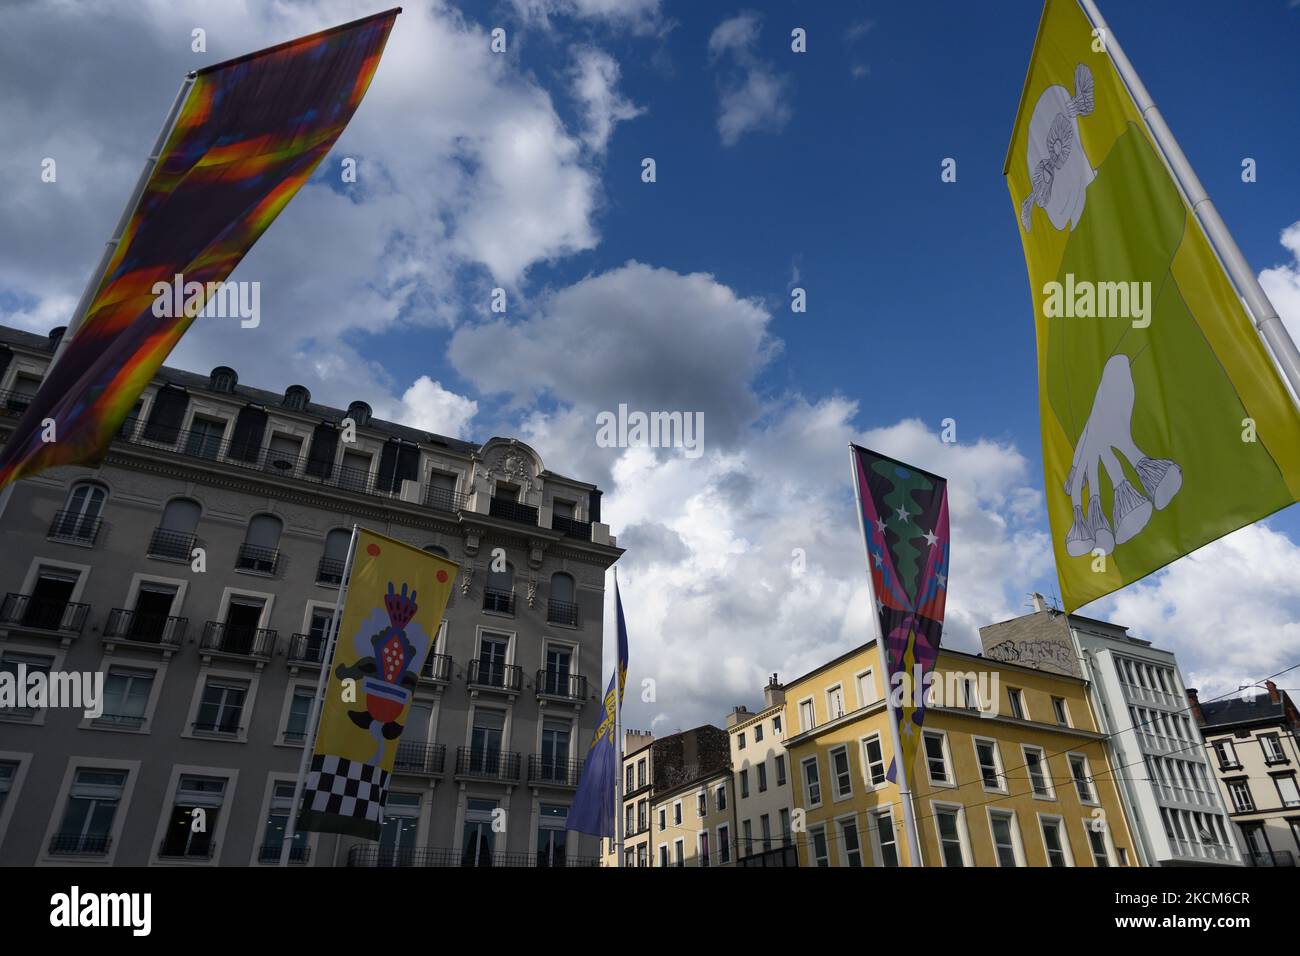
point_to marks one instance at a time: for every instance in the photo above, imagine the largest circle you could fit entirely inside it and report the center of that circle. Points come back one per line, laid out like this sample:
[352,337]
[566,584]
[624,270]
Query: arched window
[79,519]
[223,379]
[296,397]
[330,569]
[499,594]
[436,549]
[260,550]
[562,605]
[174,536]
[359,412]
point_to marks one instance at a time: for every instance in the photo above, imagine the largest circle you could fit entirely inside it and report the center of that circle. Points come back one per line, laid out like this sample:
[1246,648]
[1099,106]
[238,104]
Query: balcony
[487,764]
[562,612]
[43,614]
[329,572]
[422,856]
[1270,858]
[498,601]
[156,629]
[75,527]
[782,856]
[13,402]
[561,686]
[257,559]
[493,676]
[172,545]
[581,530]
[238,639]
[444,499]
[437,668]
[513,511]
[552,772]
[415,757]
[79,844]
[270,853]
[307,649]
[198,850]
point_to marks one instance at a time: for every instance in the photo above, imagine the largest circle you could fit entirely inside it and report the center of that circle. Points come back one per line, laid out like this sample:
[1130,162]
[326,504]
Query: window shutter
[250,427]
[320,457]
[166,415]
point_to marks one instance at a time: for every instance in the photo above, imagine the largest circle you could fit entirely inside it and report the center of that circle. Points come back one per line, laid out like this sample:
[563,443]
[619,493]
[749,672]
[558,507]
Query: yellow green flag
[395,602]
[1165,423]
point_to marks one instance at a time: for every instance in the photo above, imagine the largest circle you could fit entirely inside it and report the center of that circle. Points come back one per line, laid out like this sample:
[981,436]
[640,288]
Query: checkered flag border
[346,788]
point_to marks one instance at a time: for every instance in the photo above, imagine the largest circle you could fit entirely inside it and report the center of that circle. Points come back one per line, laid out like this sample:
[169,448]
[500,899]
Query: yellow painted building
[1011,771]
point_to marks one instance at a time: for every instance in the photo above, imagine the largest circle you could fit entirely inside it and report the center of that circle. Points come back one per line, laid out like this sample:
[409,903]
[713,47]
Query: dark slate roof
[260,396]
[1235,710]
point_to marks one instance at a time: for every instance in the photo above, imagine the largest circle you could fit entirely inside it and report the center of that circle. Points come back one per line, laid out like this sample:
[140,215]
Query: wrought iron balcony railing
[270,853]
[437,667]
[513,511]
[43,614]
[81,844]
[502,602]
[159,629]
[176,545]
[306,649]
[253,557]
[174,849]
[329,571]
[421,856]
[75,526]
[238,639]
[571,528]
[497,676]
[13,403]
[562,612]
[562,685]
[556,772]
[416,757]
[444,499]
[482,764]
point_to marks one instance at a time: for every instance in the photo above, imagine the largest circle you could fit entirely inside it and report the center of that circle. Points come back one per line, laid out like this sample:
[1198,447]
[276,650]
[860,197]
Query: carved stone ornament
[466,576]
[532,592]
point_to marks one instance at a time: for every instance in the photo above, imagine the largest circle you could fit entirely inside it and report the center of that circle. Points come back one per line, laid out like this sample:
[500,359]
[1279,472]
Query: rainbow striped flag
[248,135]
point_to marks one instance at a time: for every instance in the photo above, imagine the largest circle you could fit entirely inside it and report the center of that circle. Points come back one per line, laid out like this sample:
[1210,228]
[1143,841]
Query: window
[1273,752]
[88,815]
[174,537]
[641,772]
[552,835]
[783,816]
[260,549]
[867,688]
[849,842]
[8,770]
[241,631]
[557,680]
[762,777]
[677,813]
[758,732]
[663,821]
[478,839]
[222,379]
[131,423]
[295,730]
[971,693]
[1039,778]
[30,664]
[296,398]
[679,852]
[702,847]
[1097,844]
[1002,826]
[1286,788]
[642,852]
[812,782]
[334,559]
[765,827]
[1082,779]
[840,769]
[990,761]
[277,823]
[221,708]
[1239,790]
[873,761]
[628,784]
[1227,754]
[629,819]
[747,828]
[740,740]
[936,758]
[642,815]
[485,740]
[701,804]
[886,842]
[835,702]
[1058,709]
[744,783]
[205,437]
[776,723]
[1016,698]
[720,798]
[197,799]
[499,592]
[663,853]
[819,854]
[562,607]
[49,605]
[490,667]
[1058,853]
[126,696]
[780,770]
[948,822]
[79,519]
[724,843]
[807,719]
[359,412]
[149,621]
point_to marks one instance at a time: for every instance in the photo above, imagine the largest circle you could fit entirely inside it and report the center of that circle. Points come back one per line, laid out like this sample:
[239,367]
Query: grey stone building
[197,569]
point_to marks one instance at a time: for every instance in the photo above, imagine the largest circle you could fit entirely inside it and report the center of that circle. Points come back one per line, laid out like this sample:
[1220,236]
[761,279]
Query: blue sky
[523,171]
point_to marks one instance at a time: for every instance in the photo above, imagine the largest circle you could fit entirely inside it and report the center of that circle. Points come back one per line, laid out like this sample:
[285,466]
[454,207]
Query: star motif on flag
[931,538]
[902,515]
[880,605]
[880,525]
[880,563]
[943,580]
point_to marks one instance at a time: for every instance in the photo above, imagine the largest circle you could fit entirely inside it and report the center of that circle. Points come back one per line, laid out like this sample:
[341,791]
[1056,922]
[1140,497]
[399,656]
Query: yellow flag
[395,601]
[1165,423]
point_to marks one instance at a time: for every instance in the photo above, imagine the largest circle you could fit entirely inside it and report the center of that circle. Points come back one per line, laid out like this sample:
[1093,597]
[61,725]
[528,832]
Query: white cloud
[752,95]
[595,82]
[1282,283]
[640,16]
[428,406]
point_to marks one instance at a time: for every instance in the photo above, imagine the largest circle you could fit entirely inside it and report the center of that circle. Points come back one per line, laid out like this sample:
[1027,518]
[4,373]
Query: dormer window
[296,398]
[56,336]
[359,412]
[223,379]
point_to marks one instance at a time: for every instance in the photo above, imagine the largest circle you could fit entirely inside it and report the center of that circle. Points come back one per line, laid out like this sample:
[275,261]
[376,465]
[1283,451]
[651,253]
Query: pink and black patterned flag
[905,523]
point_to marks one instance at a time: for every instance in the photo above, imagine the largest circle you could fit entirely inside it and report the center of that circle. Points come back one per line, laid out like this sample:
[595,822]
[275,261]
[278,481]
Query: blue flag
[594,809]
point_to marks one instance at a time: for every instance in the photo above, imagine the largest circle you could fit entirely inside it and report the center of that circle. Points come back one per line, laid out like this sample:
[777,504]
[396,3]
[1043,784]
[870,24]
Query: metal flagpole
[619,835]
[904,791]
[1257,303]
[110,247]
[317,704]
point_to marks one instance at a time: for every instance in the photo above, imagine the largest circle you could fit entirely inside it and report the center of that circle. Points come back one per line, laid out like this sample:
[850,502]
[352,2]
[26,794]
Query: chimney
[1040,602]
[773,693]
[1195,705]
[738,715]
[1273,696]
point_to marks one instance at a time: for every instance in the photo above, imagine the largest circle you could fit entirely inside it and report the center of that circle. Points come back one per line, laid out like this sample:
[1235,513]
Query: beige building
[761,781]
[1251,744]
